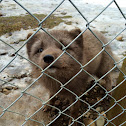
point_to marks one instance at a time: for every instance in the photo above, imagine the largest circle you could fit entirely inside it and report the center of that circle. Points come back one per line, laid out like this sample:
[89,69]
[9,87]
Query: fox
[67,69]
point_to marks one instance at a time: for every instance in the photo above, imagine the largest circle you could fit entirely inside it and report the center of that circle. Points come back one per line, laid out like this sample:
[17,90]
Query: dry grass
[15,23]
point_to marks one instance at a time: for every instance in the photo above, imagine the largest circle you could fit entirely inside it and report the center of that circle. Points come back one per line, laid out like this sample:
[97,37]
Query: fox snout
[48,58]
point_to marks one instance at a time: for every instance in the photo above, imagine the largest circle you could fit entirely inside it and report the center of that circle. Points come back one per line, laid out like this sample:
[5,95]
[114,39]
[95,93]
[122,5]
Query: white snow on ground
[111,21]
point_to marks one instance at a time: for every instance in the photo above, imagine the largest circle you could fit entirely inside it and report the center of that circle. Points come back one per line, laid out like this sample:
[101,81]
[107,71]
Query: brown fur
[83,50]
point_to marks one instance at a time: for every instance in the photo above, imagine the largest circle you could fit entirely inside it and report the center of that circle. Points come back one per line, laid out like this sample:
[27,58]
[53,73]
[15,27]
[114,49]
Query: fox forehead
[42,39]
[57,40]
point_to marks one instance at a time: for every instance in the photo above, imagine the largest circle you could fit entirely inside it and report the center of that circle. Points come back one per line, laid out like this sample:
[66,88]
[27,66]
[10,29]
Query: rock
[87,121]
[0,88]
[119,38]
[7,35]
[12,42]
[63,13]
[57,102]
[15,88]
[1,14]
[5,91]
[10,33]
[11,54]
[103,114]
[9,87]
[87,114]
[16,72]
[3,52]
[104,32]
[101,120]
[99,109]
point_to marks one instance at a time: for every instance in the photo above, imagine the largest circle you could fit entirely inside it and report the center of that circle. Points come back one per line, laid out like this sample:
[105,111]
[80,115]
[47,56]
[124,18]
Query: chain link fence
[58,112]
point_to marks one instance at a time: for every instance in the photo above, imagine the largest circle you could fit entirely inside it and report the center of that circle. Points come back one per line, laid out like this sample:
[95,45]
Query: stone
[87,114]
[3,52]
[5,91]
[1,14]
[88,121]
[119,38]
[15,88]
[101,120]
[57,102]
[0,88]
[9,87]
[99,109]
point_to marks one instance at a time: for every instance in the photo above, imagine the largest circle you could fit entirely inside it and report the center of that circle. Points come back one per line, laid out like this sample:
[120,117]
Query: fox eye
[61,47]
[40,50]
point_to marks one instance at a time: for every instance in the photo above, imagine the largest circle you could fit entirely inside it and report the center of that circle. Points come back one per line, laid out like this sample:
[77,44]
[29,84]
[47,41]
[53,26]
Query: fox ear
[31,41]
[74,33]
[29,35]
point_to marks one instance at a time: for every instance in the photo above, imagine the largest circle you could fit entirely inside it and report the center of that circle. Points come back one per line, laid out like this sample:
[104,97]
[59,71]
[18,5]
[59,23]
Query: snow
[110,21]
[122,3]
[45,6]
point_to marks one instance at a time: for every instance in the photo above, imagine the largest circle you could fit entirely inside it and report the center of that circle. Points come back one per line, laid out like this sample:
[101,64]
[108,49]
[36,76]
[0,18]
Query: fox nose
[48,58]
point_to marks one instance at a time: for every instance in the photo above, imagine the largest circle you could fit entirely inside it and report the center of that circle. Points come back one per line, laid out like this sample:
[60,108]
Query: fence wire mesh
[63,112]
